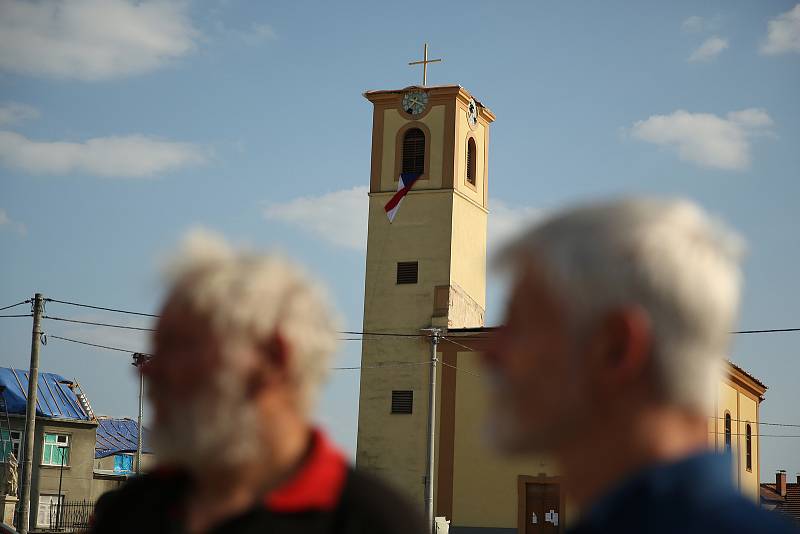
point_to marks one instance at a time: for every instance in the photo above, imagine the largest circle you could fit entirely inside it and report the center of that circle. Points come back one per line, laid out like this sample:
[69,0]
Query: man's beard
[218,429]
[508,432]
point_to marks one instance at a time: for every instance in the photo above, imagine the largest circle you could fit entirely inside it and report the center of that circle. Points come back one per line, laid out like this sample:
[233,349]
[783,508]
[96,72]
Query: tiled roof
[54,397]
[115,435]
[789,505]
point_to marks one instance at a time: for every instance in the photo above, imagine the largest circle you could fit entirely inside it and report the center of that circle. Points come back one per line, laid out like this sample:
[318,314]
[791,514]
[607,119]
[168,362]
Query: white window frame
[16,442]
[65,444]
[44,510]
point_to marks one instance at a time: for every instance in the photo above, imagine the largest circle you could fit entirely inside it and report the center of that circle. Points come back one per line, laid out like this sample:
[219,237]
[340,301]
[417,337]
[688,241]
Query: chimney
[780,482]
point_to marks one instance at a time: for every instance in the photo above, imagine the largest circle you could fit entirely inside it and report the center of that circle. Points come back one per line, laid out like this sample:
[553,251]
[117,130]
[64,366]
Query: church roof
[455,88]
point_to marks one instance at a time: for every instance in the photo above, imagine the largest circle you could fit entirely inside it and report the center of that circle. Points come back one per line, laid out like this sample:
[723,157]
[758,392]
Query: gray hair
[665,256]
[247,297]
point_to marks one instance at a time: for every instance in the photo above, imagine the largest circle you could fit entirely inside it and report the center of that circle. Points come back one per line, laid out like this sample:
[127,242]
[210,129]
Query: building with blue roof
[65,434]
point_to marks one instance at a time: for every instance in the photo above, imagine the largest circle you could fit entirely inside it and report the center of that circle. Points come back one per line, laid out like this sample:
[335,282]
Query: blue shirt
[693,495]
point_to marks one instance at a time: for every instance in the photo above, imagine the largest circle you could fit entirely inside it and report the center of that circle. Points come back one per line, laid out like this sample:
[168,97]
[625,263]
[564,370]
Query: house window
[56,450]
[47,515]
[727,431]
[407,272]
[413,152]
[748,437]
[9,442]
[402,401]
[471,163]
[123,463]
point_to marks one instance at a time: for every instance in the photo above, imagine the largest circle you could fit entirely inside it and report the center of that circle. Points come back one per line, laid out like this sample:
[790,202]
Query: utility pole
[138,360]
[435,333]
[30,416]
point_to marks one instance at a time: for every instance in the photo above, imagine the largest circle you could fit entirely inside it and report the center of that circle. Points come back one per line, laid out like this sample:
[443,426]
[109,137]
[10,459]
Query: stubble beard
[218,430]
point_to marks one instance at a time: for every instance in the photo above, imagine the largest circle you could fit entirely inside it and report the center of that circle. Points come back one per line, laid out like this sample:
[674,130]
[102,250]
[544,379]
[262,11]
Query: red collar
[317,485]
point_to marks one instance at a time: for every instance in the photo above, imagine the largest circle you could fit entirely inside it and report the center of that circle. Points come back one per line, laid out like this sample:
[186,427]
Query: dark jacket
[325,496]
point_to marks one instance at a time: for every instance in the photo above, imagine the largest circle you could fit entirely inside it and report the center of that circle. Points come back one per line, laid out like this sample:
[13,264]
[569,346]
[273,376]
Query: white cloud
[117,156]
[13,112]
[704,138]
[693,24]
[711,48]
[783,33]
[506,222]
[7,222]
[92,39]
[339,217]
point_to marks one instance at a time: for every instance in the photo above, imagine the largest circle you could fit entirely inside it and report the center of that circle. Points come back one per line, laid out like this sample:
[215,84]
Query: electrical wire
[406,364]
[756,422]
[50,317]
[390,334]
[96,345]
[760,435]
[17,304]
[115,310]
[460,370]
[22,315]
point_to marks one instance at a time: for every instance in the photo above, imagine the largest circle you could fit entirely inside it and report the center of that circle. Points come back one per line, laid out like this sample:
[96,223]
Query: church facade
[427,269]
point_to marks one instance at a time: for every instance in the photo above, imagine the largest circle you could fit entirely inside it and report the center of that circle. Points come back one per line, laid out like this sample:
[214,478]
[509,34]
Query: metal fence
[71,516]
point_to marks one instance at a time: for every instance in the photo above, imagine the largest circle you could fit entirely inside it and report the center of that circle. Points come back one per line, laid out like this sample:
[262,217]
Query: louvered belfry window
[407,272]
[471,161]
[402,401]
[413,151]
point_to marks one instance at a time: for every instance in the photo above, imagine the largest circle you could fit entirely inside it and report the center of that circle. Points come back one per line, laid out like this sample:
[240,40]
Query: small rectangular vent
[402,401]
[407,272]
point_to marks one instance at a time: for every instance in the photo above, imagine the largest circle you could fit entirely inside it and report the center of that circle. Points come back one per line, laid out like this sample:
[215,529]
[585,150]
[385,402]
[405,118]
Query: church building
[427,269]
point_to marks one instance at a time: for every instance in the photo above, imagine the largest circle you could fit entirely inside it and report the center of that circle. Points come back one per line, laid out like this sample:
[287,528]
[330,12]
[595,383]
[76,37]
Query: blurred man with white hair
[241,348]
[616,328]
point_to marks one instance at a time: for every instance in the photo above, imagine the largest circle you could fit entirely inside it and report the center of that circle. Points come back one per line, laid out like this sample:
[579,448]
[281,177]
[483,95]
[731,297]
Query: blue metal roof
[54,398]
[118,435]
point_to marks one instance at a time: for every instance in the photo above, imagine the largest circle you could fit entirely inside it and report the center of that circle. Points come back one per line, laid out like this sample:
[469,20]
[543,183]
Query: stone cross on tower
[424,64]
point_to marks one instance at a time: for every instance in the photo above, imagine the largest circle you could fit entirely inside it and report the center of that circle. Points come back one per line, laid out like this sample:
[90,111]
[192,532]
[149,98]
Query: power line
[390,334]
[109,325]
[460,370]
[115,310]
[767,331]
[406,364]
[96,345]
[17,304]
[21,315]
[756,422]
[760,435]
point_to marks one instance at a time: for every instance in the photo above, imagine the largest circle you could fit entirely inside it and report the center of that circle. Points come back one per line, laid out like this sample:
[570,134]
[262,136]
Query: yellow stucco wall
[477,193]
[748,480]
[446,234]
[484,484]
[468,268]
[392,122]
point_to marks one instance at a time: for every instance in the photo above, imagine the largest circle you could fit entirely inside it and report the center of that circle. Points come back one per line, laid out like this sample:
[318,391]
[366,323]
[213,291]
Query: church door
[542,508]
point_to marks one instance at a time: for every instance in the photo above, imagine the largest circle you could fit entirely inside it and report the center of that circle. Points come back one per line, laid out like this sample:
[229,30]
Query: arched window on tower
[471,161]
[727,431]
[748,439]
[413,152]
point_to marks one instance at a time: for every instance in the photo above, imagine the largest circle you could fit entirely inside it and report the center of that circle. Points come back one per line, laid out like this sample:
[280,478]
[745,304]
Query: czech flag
[404,185]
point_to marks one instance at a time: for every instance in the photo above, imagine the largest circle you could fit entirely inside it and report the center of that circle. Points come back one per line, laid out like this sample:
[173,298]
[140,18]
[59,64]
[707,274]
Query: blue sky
[124,124]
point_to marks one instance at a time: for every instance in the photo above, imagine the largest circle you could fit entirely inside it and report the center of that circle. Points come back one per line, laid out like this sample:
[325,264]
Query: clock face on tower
[472,112]
[414,102]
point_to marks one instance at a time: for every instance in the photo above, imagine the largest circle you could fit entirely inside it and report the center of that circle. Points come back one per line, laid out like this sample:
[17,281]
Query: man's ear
[273,364]
[624,346]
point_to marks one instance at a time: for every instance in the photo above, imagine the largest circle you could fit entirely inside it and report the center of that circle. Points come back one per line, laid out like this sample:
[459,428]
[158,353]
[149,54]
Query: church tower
[426,268]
